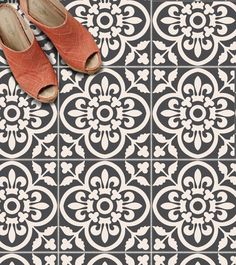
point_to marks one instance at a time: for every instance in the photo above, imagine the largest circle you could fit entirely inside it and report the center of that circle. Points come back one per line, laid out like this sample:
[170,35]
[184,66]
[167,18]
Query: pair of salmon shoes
[29,64]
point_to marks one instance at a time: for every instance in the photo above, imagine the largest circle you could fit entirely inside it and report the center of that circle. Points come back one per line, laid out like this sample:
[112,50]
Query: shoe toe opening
[48,93]
[93,62]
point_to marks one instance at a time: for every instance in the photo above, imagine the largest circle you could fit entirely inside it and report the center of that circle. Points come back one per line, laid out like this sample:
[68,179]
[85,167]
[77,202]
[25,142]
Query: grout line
[120,159]
[164,67]
[117,252]
[151,132]
[147,66]
[235,112]
[58,164]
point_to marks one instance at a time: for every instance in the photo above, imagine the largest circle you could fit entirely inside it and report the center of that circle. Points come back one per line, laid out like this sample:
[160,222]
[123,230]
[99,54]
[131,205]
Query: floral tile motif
[102,259]
[28,206]
[194,33]
[189,259]
[194,113]
[27,127]
[105,206]
[121,28]
[106,115]
[135,165]
[194,206]
[26,259]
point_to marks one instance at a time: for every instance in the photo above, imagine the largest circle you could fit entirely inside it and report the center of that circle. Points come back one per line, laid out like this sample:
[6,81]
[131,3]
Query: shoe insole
[92,62]
[11,31]
[46,12]
[48,92]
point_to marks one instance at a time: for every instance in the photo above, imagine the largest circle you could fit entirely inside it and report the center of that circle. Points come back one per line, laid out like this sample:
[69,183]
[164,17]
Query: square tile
[120,28]
[28,128]
[194,206]
[28,206]
[194,113]
[189,259]
[194,33]
[28,259]
[105,115]
[109,258]
[105,206]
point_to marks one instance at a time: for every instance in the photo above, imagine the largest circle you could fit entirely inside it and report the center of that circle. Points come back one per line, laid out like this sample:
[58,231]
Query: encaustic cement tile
[28,206]
[194,113]
[28,259]
[194,206]
[102,259]
[106,115]
[120,28]
[190,259]
[194,33]
[27,127]
[105,206]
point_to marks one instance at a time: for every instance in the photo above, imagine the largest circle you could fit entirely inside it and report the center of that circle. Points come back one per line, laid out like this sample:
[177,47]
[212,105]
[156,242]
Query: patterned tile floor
[135,165]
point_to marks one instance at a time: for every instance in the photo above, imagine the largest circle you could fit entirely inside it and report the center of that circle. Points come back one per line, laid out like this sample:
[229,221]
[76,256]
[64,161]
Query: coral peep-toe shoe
[73,41]
[28,63]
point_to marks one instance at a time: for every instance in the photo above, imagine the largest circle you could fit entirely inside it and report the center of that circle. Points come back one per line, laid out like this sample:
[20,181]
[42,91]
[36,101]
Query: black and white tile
[121,29]
[105,206]
[28,203]
[106,115]
[198,33]
[189,259]
[134,165]
[194,205]
[108,258]
[194,113]
[27,127]
[28,259]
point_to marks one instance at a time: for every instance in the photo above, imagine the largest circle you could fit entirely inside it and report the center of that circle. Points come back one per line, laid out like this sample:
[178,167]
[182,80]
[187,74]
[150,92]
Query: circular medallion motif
[24,206]
[198,113]
[105,206]
[198,206]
